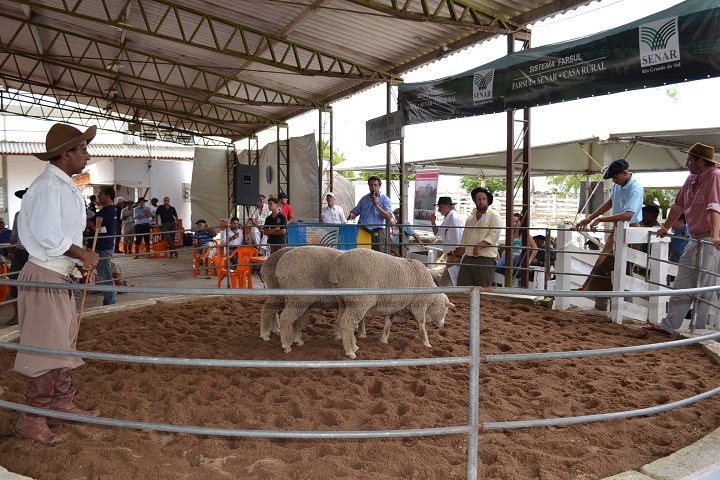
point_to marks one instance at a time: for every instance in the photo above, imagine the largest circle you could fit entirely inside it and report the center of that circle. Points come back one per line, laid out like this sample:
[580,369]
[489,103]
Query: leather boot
[14,319]
[62,400]
[39,394]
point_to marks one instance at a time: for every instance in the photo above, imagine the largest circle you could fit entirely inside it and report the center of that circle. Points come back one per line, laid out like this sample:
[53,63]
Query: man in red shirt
[285,207]
[699,200]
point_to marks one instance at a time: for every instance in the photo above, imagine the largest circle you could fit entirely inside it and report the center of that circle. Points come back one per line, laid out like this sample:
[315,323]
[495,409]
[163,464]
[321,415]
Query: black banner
[679,44]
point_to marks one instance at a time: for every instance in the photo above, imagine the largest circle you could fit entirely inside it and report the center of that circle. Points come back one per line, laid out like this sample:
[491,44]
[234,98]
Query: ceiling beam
[241,42]
[234,89]
[455,13]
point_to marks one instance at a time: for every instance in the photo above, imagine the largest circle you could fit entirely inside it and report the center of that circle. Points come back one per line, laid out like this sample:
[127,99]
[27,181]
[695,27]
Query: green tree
[660,197]
[567,184]
[338,157]
[495,185]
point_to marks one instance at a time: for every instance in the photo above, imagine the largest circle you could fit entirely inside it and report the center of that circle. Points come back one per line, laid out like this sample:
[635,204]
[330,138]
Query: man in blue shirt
[677,245]
[626,200]
[373,210]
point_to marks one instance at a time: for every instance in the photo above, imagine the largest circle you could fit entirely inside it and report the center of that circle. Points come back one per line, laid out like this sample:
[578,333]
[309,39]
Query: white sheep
[303,268]
[269,321]
[363,268]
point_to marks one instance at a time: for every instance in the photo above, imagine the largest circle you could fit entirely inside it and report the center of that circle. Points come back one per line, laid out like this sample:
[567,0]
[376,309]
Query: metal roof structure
[191,70]
[108,150]
[659,151]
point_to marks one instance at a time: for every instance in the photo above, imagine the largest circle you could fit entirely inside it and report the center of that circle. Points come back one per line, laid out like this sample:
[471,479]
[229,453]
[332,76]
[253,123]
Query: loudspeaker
[596,200]
[246,184]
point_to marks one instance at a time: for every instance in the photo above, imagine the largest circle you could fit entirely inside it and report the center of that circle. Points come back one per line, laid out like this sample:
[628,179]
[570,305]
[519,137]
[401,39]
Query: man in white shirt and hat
[451,231]
[52,219]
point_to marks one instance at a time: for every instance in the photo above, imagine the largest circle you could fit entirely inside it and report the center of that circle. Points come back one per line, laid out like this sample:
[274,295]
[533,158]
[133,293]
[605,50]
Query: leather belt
[702,235]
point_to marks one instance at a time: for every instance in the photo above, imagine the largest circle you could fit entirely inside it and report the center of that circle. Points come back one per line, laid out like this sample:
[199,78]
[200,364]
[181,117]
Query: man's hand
[433,218]
[716,242]
[90,277]
[583,223]
[661,232]
[90,260]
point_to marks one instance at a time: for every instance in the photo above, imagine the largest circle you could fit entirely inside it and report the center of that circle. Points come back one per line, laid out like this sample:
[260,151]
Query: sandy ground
[355,399]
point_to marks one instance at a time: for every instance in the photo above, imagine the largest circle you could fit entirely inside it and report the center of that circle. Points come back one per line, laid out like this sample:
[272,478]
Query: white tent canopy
[646,152]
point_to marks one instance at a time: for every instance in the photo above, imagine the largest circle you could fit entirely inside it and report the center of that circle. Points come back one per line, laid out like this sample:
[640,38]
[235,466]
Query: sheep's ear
[449,304]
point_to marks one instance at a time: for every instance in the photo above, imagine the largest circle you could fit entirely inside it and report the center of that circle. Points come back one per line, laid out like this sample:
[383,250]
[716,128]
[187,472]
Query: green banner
[679,44]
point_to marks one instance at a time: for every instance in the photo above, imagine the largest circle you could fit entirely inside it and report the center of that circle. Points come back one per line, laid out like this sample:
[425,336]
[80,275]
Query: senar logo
[483,85]
[659,42]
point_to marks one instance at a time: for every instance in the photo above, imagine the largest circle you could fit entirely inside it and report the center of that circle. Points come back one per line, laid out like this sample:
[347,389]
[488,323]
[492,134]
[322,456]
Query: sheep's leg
[386,329]
[338,328]
[297,328]
[287,318]
[348,322]
[269,319]
[361,328]
[419,316]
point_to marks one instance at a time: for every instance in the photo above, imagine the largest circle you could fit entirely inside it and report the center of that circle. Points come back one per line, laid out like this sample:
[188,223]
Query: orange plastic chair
[4,289]
[241,276]
[196,261]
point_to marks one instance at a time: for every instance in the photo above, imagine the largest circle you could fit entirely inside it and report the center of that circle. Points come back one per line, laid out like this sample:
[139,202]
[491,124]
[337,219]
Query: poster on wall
[426,184]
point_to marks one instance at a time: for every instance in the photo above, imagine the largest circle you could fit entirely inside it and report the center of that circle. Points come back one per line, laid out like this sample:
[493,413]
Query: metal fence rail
[473,360]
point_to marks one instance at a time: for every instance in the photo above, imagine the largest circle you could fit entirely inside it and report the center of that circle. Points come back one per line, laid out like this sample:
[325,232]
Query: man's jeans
[104,275]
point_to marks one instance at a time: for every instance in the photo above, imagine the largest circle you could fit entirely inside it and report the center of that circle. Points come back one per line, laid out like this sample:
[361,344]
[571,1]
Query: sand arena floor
[355,399]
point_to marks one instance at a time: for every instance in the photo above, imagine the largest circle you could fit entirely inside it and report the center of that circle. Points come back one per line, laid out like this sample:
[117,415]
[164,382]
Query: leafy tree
[495,185]
[660,197]
[337,158]
[568,184]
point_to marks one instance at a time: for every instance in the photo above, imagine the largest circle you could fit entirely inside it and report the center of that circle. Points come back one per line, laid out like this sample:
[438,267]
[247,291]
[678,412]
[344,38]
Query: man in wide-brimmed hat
[699,200]
[450,230]
[478,251]
[51,221]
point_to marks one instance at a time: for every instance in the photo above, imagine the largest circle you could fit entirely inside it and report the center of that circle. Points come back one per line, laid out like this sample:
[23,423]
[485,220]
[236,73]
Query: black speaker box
[246,184]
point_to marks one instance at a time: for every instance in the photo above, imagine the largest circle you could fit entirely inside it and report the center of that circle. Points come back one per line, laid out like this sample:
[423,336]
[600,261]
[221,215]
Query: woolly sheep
[363,268]
[269,321]
[303,268]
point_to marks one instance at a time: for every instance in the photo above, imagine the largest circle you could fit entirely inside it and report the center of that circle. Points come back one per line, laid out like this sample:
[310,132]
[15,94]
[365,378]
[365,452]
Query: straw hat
[699,150]
[61,138]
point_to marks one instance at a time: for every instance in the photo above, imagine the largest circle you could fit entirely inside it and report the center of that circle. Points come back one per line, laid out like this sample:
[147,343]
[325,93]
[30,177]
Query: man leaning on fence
[699,200]
[626,200]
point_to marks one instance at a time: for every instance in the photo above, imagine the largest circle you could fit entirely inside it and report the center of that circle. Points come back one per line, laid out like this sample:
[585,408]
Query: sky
[637,111]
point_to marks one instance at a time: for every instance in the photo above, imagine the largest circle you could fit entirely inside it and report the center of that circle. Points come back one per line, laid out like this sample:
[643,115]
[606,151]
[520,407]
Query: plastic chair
[241,276]
[196,260]
[4,289]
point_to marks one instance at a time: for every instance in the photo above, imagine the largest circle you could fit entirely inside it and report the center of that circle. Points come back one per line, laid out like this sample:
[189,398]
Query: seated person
[232,237]
[408,231]
[517,251]
[539,260]
[203,241]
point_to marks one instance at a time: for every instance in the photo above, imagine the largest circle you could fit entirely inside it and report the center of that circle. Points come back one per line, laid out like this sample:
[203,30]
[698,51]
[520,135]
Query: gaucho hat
[699,150]
[61,138]
[484,190]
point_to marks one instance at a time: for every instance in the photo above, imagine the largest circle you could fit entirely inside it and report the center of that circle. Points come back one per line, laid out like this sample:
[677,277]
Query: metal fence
[471,428]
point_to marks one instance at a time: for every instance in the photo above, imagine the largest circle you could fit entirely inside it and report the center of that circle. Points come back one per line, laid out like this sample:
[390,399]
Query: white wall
[164,177]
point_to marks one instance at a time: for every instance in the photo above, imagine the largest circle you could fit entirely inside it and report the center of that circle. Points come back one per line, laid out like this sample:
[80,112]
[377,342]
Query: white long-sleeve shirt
[451,230]
[52,216]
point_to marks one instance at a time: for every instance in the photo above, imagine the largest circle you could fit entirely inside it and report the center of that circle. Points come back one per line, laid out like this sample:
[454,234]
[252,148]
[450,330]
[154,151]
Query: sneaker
[596,312]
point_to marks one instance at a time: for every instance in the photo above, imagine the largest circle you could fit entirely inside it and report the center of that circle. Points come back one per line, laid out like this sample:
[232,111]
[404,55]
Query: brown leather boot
[39,394]
[62,400]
